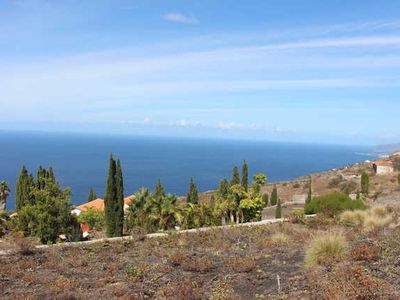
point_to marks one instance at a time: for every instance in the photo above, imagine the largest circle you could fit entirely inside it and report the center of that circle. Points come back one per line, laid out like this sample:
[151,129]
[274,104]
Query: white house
[383,167]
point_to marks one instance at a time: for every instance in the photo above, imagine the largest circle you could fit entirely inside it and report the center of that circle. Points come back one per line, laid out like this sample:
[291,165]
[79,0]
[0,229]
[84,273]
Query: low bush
[240,264]
[332,204]
[326,248]
[365,251]
[369,220]
[347,281]
[297,216]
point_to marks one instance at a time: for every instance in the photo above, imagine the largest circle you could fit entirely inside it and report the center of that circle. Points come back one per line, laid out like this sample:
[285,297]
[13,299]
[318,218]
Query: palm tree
[168,212]
[4,192]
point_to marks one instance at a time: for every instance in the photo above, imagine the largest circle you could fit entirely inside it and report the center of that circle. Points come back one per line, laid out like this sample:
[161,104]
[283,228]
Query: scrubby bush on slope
[332,204]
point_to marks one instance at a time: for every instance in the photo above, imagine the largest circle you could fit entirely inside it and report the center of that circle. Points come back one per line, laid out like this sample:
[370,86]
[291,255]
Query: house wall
[384,170]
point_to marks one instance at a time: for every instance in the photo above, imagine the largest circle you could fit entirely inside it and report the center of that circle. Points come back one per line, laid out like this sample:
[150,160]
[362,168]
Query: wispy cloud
[180,18]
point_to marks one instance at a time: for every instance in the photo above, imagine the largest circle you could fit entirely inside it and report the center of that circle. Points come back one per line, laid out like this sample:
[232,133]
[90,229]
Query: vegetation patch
[326,248]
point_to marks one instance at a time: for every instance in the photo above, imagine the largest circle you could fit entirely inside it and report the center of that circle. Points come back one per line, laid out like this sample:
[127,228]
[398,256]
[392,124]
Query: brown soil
[235,263]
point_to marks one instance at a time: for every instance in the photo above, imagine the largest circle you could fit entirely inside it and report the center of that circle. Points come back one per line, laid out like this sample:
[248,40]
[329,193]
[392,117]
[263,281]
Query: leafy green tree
[92,195]
[4,192]
[235,176]
[278,211]
[92,217]
[193,196]
[309,195]
[274,196]
[245,176]
[114,200]
[259,180]
[24,185]
[364,183]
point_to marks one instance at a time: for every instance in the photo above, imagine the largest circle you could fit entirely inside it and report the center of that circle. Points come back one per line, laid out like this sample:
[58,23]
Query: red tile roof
[99,204]
[384,163]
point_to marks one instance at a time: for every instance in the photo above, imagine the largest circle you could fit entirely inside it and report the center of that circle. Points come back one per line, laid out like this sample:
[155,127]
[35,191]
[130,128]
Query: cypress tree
[265,199]
[223,189]
[193,196]
[119,201]
[92,195]
[274,196]
[364,183]
[278,212]
[22,188]
[159,190]
[110,199]
[309,195]
[235,176]
[245,176]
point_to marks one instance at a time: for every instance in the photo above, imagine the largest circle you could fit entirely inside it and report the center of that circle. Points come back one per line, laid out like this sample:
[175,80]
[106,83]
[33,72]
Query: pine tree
[23,187]
[92,195]
[245,176]
[274,196]
[265,199]
[193,196]
[235,176]
[119,201]
[364,183]
[278,212]
[309,195]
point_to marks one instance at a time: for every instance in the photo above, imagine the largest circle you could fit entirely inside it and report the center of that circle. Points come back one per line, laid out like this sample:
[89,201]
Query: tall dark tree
[235,176]
[278,212]
[23,188]
[114,199]
[119,203]
[223,189]
[245,176]
[193,195]
[92,195]
[364,183]
[309,195]
[265,199]
[274,196]
[159,191]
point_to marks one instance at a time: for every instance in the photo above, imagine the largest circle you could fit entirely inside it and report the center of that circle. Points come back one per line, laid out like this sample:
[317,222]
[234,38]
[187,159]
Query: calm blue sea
[80,161]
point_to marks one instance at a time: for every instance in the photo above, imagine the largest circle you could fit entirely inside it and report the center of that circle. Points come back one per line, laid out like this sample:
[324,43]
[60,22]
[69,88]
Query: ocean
[80,161]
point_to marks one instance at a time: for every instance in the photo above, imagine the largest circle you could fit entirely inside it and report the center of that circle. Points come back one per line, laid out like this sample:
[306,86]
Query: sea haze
[81,161]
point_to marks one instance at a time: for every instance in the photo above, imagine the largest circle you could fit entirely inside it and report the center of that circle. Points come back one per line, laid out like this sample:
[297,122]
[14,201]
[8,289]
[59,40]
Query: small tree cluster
[364,183]
[44,209]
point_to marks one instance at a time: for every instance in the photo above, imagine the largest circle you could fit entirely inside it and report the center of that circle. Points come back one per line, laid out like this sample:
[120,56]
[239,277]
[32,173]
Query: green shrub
[92,217]
[326,248]
[332,204]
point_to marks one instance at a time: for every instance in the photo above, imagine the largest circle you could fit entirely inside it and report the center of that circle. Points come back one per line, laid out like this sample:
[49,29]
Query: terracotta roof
[96,204]
[99,204]
[385,163]
[128,200]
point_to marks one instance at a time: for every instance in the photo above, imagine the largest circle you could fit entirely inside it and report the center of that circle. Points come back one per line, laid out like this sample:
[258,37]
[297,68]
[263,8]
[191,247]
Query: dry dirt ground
[235,263]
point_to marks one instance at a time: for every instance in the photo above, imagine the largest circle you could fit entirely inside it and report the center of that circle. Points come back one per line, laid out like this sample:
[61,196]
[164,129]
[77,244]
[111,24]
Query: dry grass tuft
[279,239]
[368,220]
[326,248]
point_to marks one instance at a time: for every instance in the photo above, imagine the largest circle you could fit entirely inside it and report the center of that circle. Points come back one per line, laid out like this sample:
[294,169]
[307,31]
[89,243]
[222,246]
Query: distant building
[396,154]
[98,204]
[383,167]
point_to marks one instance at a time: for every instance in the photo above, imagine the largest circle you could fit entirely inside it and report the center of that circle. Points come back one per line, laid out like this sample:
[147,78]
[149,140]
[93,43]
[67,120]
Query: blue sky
[283,70]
